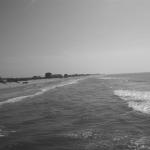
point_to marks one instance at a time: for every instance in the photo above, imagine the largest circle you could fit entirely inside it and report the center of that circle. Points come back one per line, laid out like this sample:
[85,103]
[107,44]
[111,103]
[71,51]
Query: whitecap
[134,95]
[138,100]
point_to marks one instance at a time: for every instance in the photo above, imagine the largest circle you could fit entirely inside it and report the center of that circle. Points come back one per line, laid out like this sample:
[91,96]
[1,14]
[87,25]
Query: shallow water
[97,113]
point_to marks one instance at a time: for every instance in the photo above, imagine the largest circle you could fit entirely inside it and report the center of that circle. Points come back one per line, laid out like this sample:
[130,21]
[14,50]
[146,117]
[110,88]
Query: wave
[42,91]
[137,100]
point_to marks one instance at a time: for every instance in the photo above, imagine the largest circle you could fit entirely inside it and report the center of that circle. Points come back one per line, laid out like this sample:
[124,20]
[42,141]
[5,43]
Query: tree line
[47,75]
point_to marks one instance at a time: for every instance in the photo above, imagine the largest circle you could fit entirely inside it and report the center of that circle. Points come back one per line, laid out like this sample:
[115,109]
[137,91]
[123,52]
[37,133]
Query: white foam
[143,107]
[134,95]
[43,90]
[16,99]
[138,100]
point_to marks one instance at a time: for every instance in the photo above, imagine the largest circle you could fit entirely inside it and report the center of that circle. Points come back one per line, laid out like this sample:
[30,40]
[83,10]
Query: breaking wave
[138,100]
[43,90]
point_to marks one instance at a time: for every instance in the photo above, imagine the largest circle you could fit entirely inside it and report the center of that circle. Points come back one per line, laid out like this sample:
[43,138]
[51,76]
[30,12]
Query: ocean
[110,112]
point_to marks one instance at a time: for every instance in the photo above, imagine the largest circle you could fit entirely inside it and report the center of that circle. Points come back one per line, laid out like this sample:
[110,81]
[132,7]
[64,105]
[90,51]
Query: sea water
[95,113]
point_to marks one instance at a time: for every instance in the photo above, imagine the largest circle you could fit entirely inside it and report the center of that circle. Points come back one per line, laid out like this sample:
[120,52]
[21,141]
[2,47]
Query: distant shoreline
[24,83]
[13,84]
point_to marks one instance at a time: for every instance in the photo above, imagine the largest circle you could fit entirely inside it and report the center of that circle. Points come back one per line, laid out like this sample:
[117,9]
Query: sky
[74,36]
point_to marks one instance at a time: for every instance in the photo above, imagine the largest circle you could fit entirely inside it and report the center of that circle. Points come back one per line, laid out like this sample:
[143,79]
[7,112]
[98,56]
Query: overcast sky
[74,36]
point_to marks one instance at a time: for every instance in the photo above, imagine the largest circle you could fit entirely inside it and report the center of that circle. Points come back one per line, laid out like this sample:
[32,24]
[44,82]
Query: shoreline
[8,85]
[25,83]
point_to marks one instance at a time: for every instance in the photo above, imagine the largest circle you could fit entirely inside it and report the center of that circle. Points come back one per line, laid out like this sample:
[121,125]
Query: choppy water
[97,113]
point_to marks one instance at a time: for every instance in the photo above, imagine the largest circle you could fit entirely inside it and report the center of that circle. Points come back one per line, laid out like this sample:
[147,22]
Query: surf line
[42,91]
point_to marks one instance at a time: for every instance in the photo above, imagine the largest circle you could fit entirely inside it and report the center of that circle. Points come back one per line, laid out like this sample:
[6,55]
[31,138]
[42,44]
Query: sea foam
[42,91]
[138,100]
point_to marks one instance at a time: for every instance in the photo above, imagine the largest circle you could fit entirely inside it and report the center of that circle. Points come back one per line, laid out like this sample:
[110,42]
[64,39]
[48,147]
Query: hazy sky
[74,36]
